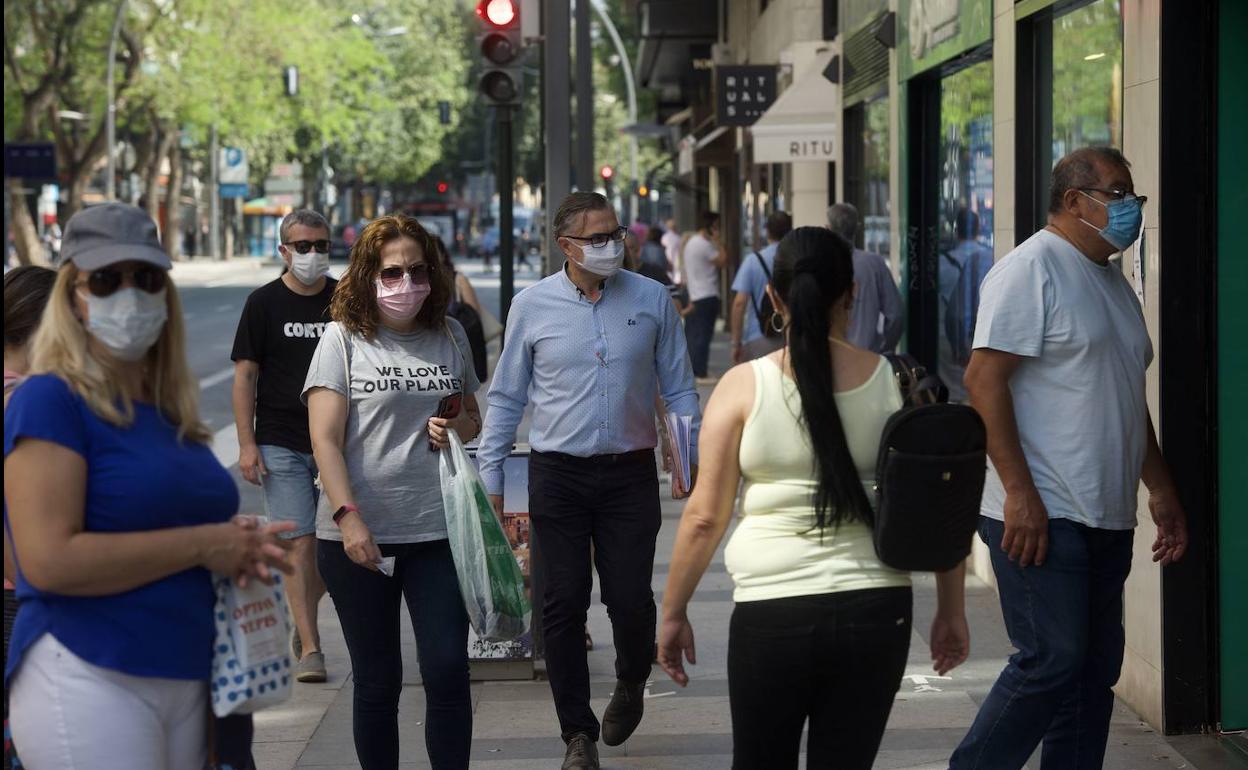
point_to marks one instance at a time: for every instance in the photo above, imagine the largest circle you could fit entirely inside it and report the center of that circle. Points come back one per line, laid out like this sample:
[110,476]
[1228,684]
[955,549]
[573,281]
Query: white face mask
[308,268]
[605,261]
[128,321]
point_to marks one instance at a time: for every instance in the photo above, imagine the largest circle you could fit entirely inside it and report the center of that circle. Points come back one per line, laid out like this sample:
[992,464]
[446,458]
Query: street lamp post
[110,120]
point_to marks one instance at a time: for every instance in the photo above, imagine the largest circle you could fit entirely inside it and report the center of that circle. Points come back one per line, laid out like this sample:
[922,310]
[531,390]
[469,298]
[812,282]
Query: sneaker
[623,713]
[311,669]
[582,754]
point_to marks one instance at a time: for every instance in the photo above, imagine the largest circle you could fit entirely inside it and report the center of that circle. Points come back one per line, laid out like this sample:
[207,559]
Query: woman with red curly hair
[391,376]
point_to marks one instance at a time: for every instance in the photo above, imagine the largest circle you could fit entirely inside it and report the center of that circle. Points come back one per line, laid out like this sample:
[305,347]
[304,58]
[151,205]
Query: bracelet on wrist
[343,510]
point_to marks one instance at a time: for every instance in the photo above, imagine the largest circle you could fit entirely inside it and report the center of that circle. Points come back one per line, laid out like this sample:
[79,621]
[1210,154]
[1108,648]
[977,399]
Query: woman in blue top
[118,510]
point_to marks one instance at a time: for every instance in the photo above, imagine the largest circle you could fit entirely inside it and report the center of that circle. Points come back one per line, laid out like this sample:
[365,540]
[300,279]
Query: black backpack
[763,310]
[929,475]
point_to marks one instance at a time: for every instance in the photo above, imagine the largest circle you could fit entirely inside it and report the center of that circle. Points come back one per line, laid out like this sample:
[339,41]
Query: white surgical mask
[309,268]
[128,321]
[605,261]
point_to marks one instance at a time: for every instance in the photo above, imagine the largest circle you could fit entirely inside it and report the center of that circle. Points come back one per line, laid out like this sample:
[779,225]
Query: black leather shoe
[623,713]
[582,753]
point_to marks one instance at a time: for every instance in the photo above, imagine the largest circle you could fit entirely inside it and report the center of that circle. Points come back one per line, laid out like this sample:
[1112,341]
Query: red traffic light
[606,172]
[443,187]
[500,13]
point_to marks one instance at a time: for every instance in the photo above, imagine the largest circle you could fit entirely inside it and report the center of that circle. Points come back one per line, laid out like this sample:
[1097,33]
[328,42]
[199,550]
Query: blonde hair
[61,347]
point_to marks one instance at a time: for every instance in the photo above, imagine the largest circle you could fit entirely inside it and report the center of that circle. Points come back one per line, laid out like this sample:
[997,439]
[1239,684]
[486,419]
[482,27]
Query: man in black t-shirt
[277,335]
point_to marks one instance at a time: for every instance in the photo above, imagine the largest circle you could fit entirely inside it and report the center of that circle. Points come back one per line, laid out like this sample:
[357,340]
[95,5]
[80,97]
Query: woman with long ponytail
[821,628]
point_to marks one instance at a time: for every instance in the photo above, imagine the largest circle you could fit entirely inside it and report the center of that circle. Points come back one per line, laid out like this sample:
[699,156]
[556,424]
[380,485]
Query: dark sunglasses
[303,247]
[393,276]
[598,240]
[107,280]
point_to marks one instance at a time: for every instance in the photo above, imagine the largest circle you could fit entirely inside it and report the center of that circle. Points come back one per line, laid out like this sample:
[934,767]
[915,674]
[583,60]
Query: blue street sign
[233,191]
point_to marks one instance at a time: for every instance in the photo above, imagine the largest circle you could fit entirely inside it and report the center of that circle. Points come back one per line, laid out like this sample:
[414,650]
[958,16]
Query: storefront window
[866,171]
[1087,77]
[966,221]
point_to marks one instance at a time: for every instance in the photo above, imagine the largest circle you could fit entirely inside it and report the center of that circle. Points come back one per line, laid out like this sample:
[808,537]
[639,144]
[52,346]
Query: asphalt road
[212,296]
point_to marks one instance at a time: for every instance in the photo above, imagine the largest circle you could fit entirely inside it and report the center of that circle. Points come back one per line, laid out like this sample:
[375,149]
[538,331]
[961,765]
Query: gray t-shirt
[1079,397]
[397,381]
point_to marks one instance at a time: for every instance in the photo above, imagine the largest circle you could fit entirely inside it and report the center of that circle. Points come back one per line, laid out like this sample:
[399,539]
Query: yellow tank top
[774,553]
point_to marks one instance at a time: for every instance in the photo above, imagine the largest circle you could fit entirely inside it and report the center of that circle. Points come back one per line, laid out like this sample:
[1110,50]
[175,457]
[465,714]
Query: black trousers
[611,501]
[834,660]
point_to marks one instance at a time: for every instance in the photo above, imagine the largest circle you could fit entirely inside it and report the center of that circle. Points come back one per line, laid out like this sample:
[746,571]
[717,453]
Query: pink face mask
[402,302]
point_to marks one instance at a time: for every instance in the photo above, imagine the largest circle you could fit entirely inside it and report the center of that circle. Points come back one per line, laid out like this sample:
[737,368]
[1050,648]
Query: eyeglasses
[107,280]
[1117,193]
[303,247]
[598,240]
[393,276]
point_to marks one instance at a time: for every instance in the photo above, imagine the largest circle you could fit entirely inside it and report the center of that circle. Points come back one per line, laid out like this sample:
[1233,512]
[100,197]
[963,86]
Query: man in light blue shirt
[749,339]
[876,320]
[589,348]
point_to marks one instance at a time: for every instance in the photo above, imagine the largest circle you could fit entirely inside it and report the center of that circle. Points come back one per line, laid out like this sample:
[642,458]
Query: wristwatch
[343,511]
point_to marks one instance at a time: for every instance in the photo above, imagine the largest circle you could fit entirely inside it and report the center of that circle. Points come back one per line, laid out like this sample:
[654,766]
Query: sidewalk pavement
[515,726]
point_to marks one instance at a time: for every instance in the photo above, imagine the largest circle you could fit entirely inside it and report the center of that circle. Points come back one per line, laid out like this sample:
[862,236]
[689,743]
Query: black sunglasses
[392,276]
[598,240]
[107,280]
[303,247]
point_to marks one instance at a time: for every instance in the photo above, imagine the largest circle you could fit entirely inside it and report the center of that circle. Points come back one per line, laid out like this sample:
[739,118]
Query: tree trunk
[173,203]
[151,174]
[25,236]
[77,188]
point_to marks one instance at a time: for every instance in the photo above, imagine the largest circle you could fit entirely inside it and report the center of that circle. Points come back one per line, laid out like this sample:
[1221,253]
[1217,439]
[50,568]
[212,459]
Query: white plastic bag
[251,653]
[489,577]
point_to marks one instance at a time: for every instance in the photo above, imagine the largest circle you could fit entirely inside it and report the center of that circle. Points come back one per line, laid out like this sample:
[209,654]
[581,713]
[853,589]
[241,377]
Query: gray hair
[305,217]
[843,220]
[575,205]
[1078,170]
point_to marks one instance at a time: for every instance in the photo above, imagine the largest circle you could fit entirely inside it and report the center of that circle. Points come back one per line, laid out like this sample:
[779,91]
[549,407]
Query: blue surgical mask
[1123,226]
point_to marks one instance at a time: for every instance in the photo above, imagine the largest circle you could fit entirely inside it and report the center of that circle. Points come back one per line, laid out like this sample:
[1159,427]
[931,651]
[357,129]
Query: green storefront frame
[1232,333]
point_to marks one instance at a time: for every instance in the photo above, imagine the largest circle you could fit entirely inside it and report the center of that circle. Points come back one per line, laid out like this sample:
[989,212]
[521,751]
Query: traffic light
[442,187]
[500,44]
[606,172]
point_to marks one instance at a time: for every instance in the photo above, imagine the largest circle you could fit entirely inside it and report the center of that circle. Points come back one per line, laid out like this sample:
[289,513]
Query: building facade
[947,118]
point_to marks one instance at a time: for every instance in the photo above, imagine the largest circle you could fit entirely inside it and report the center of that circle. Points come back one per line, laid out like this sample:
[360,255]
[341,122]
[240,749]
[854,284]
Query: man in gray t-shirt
[397,382]
[1058,374]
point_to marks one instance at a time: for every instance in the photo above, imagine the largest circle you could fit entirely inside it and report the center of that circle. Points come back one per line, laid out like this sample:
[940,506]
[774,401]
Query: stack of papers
[679,428]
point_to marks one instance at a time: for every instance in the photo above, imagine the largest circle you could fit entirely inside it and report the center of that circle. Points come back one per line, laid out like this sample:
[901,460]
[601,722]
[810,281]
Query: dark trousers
[699,329]
[611,501]
[1065,618]
[834,660]
[368,608]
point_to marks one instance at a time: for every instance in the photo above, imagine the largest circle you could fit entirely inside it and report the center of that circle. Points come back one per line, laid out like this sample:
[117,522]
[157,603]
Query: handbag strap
[917,386]
[753,300]
[454,342]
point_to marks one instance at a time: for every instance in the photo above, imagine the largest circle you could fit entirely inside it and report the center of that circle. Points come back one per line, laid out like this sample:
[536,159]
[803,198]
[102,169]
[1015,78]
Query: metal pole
[631,89]
[557,96]
[214,195]
[584,99]
[110,119]
[506,245]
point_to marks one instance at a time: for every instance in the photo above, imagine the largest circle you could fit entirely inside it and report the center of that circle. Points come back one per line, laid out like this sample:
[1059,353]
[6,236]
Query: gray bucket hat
[112,232]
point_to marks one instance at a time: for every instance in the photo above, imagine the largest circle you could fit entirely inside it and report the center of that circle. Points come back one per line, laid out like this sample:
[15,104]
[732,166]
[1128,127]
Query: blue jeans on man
[1065,618]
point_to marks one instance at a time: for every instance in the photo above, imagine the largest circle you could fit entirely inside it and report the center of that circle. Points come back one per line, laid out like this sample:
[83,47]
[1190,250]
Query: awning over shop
[801,125]
[271,206]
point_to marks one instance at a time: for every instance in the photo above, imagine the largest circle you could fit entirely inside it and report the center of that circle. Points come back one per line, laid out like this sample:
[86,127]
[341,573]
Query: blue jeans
[699,329]
[289,488]
[1065,618]
[368,607]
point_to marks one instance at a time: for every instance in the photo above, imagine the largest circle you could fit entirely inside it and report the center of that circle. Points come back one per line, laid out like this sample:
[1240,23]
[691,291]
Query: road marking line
[225,445]
[216,379]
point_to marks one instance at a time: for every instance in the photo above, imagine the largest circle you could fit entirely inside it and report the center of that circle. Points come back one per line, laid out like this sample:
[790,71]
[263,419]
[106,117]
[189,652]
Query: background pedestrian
[703,258]
[877,318]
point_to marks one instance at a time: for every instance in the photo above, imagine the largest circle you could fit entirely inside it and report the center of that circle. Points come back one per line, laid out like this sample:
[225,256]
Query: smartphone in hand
[448,407]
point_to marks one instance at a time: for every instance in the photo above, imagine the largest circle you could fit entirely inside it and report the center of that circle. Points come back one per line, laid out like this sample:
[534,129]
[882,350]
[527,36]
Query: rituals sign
[743,93]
